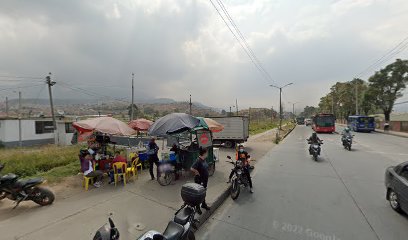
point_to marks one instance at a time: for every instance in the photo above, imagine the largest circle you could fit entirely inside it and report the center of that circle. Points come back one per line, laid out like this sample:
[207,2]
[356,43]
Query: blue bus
[361,123]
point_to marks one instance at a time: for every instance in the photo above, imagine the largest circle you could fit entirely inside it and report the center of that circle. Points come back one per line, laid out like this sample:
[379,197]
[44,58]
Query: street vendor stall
[97,132]
[188,133]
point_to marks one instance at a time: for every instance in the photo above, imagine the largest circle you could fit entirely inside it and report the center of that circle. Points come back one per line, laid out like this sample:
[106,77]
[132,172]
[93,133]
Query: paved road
[342,196]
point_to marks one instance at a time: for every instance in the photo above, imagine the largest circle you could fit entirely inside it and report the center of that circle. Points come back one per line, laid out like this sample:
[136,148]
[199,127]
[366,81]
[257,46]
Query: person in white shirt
[90,172]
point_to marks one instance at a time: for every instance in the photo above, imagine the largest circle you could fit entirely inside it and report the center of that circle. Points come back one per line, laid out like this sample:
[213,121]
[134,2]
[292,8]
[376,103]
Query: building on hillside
[34,131]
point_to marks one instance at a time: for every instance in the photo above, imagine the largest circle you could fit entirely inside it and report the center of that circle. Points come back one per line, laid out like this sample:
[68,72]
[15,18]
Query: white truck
[236,130]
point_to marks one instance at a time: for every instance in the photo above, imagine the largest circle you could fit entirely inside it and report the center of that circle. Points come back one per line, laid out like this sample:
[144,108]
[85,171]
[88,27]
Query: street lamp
[293,108]
[280,102]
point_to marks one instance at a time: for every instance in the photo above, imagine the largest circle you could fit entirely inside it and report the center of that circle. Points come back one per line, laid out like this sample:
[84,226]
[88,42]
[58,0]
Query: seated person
[118,158]
[87,167]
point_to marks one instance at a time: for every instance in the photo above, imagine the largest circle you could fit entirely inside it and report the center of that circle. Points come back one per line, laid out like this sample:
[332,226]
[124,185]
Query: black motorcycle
[347,142]
[24,190]
[238,179]
[180,228]
[315,149]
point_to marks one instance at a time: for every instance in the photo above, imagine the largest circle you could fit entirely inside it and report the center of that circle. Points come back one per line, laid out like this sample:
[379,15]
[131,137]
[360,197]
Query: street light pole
[280,102]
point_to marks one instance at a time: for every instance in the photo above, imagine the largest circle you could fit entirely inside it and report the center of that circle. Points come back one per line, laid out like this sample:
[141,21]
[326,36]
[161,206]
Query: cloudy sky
[178,47]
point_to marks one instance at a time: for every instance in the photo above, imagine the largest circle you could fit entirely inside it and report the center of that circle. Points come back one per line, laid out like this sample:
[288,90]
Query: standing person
[200,170]
[152,152]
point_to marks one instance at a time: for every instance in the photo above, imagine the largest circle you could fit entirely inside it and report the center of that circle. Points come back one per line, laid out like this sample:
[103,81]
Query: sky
[181,47]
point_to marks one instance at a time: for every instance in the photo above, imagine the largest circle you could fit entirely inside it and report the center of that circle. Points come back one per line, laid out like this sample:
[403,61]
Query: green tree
[309,111]
[148,110]
[136,111]
[386,85]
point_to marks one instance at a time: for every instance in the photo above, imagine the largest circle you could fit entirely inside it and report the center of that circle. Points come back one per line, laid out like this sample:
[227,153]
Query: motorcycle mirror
[229,157]
[111,223]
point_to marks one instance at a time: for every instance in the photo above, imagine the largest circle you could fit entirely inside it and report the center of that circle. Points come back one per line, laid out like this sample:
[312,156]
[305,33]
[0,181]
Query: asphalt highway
[341,196]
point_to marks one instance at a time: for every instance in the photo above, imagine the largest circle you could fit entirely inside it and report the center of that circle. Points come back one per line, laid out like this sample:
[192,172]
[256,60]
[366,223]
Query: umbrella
[213,125]
[173,123]
[140,124]
[107,125]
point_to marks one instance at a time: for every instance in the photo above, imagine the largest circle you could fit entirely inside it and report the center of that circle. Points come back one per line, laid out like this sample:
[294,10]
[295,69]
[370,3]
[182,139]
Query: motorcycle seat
[173,231]
[23,183]
[183,215]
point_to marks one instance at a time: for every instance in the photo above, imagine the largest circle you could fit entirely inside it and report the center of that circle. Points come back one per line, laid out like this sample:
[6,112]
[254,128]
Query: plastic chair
[135,155]
[88,180]
[116,174]
[133,169]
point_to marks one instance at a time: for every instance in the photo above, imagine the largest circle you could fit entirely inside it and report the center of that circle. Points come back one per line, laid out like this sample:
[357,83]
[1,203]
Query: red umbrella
[107,125]
[140,124]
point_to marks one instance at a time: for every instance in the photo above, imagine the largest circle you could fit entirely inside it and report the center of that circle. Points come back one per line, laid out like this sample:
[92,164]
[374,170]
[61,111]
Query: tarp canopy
[173,123]
[211,124]
[107,125]
[140,124]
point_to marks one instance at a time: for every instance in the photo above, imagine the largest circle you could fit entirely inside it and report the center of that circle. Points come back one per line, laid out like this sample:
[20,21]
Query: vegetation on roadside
[378,94]
[51,162]
[256,127]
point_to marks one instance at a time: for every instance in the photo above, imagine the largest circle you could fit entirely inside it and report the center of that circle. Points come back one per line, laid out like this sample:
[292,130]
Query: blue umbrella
[173,123]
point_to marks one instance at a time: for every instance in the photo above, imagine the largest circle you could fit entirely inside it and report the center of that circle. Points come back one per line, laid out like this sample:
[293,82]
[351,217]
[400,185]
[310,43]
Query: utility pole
[230,111]
[7,108]
[20,139]
[249,114]
[280,102]
[271,114]
[356,97]
[133,89]
[191,107]
[50,84]
[236,105]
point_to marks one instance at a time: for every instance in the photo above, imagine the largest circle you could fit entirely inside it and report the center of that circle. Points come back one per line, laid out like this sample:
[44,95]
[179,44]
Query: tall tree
[386,85]
[136,111]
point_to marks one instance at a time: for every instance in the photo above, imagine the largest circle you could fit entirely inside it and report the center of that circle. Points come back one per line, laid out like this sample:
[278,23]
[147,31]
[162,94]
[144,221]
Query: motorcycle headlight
[239,171]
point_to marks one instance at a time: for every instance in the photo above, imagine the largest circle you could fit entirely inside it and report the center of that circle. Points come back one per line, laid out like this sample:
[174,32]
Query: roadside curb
[288,133]
[391,133]
[215,205]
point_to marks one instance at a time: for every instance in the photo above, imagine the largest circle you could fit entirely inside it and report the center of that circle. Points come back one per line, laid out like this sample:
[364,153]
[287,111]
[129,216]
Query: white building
[34,131]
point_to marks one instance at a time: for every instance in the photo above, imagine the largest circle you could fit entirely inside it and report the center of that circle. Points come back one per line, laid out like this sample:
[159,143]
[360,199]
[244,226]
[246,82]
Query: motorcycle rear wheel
[43,196]
[315,157]
[235,189]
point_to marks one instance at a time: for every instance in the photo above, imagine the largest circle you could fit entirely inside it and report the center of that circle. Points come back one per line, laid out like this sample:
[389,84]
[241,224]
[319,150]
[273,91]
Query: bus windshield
[324,121]
[366,119]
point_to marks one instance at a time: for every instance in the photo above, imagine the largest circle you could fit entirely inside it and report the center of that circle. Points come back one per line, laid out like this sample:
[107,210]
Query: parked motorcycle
[180,228]
[238,179]
[347,142]
[24,190]
[315,149]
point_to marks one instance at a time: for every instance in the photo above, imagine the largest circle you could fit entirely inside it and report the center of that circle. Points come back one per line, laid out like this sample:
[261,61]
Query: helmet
[314,134]
[347,129]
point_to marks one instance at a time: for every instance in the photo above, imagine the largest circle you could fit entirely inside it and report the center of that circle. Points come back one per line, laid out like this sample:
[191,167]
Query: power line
[21,77]
[90,93]
[243,38]
[6,89]
[401,46]
[243,47]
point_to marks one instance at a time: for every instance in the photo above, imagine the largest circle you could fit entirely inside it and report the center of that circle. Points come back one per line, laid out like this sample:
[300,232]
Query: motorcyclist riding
[314,139]
[243,156]
[345,133]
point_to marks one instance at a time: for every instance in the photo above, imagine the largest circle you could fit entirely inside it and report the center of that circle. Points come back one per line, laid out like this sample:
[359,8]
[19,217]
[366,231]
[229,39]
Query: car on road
[396,182]
[308,121]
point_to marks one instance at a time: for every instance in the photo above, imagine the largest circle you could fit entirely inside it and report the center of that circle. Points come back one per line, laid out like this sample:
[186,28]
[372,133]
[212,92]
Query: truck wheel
[229,144]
